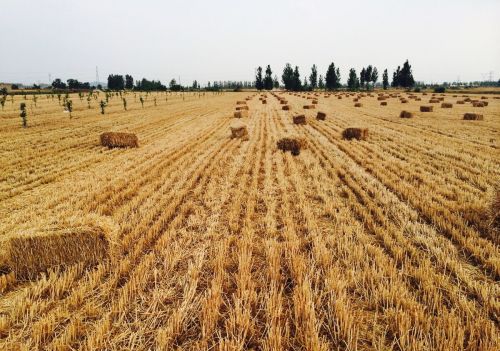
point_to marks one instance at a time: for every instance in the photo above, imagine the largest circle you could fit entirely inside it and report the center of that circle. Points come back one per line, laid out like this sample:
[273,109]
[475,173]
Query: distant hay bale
[241,114]
[406,114]
[433,101]
[484,97]
[485,103]
[339,97]
[285,107]
[292,143]
[446,105]
[321,116]
[315,102]
[426,108]
[381,98]
[264,101]
[86,240]
[355,100]
[299,119]
[383,103]
[358,104]
[241,102]
[242,107]
[283,102]
[239,130]
[477,104]
[355,133]
[473,117]
[404,101]
[309,107]
[119,139]
[460,102]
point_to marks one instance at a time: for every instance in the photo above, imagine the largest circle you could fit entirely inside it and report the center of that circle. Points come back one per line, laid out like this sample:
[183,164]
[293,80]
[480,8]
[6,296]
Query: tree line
[368,77]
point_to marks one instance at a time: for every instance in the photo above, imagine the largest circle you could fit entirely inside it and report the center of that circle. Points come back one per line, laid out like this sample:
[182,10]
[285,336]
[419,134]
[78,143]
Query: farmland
[227,243]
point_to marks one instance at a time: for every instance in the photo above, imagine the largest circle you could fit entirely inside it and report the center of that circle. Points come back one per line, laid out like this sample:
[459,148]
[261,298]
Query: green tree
[321,83]
[385,79]
[313,77]
[276,83]
[287,77]
[103,105]
[116,82]
[129,82]
[332,79]
[297,85]
[259,83]
[268,79]
[374,76]
[69,107]
[362,76]
[352,81]
[23,114]
[2,101]
[406,80]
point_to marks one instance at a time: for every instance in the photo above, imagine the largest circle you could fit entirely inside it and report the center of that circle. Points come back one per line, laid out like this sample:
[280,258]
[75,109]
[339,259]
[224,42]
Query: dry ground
[227,244]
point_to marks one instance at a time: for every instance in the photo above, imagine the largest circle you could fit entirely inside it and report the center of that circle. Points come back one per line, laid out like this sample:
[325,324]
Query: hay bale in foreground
[473,117]
[29,254]
[239,130]
[299,119]
[355,133]
[406,114]
[119,139]
[426,108]
[446,105]
[293,144]
[321,116]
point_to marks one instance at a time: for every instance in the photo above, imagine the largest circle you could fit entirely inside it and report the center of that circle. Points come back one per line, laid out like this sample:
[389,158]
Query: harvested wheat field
[208,242]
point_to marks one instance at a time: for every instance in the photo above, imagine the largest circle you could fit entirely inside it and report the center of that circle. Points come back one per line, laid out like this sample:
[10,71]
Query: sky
[444,40]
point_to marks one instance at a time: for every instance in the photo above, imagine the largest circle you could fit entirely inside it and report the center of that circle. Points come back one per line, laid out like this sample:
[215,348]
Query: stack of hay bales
[426,108]
[321,116]
[446,105]
[473,117]
[406,114]
[299,119]
[292,143]
[119,139]
[239,130]
[86,240]
[355,133]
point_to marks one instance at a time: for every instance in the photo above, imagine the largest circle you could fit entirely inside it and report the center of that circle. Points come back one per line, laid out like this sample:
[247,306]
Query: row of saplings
[291,143]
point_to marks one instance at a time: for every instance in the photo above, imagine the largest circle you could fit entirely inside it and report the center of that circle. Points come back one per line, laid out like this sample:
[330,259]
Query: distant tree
[268,79]
[174,86]
[321,83]
[362,76]
[36,86]
[332,80]
[305,85]
[14,87]
[259,83]
[385,79]
[3,91]
[129,82]
[23,114]
[58,84]
[374,76]
[287,77]
[276,83]
[116,82]
[406,80]
[313,77]
[297,85]
[195,85]
[352,81]
[2,101]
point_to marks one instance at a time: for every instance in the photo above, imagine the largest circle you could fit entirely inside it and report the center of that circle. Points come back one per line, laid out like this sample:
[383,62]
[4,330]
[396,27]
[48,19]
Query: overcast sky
[226,40]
